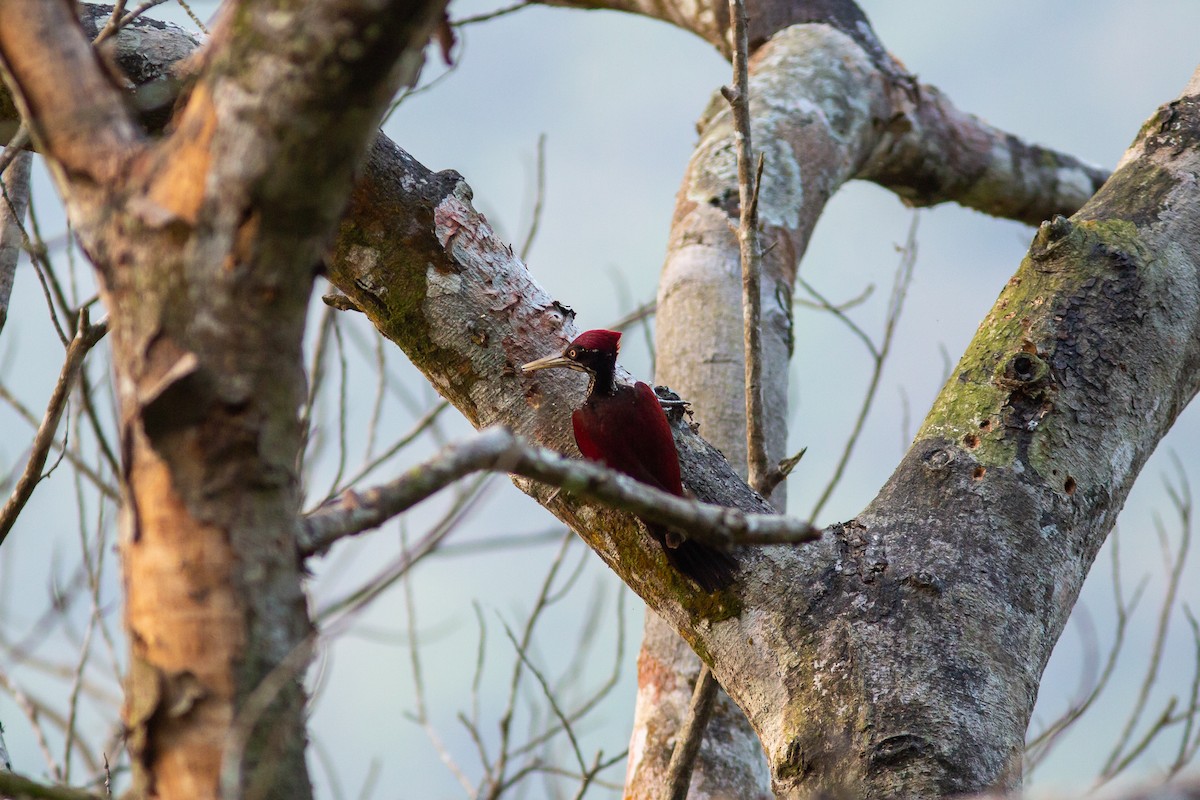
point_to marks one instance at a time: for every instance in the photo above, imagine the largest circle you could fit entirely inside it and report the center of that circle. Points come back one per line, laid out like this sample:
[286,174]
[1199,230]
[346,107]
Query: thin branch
[343,387]
[419,685]
[114,22]
[847,305]
[360,597]
[85,338]
[598,765]
[904,273]
[573,671]
[839,311]
[14,785]
[550,698]
[1185,739]
[95,423]
[377,403]
[34,711]
[316,377]
[131,16]
[642,312]
[490,15]
[762,477]
[419,427]
[1182,501]
[1039,747]
[499,450]
[495,778]
[104,487]
[538,199]
[691,734]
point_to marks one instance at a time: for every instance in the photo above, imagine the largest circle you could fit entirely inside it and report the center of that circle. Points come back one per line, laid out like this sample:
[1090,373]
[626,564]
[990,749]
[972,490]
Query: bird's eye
[572,353]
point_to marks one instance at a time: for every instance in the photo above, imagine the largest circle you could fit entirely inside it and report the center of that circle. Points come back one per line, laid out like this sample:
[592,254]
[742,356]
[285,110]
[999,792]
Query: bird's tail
[709,567]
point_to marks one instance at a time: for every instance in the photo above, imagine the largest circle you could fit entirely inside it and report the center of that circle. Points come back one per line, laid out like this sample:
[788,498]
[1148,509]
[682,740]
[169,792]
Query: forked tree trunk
[899,657]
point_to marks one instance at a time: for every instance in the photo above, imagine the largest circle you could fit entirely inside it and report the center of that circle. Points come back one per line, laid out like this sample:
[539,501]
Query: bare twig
[1117,760]
[550,698]
[843,307]
[192,15]
[408,559]
[598,765]
[691,734]
[1186,751]
[1040,746]
[95,423]
[490,15]
[14,785]
[316,377]
[419,427]
[85,338]
[377,403]
[639,314]
[114,22]
[34,711]
[422,717]
[105,488]
[119,19]
[343,388]
[573,670]
[879,355]
[763,477]
[539,199]
[497,781]
[57,302]
[497,449]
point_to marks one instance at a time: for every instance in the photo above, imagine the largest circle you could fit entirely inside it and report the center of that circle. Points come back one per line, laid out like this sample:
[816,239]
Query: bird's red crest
[602,340]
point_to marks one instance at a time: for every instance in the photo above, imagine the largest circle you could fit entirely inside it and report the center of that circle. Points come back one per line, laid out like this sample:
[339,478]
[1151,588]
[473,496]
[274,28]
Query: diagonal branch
[18,786]
[497,449]
[85,338]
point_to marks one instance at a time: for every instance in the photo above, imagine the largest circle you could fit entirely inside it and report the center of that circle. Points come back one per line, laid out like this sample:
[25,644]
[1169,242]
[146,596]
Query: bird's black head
[593,352]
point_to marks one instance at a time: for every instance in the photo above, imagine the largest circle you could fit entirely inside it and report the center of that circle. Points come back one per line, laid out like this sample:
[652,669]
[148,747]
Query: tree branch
[18,787]
[499,450]
[760,477]
[13,206]
[86,336]
[691,734]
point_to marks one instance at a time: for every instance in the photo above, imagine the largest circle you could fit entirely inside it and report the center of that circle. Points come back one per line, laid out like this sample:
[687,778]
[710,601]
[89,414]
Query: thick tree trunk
[206,243]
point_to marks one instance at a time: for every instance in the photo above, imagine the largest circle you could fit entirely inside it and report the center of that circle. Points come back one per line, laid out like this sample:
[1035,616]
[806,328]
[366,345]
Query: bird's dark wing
[628,432]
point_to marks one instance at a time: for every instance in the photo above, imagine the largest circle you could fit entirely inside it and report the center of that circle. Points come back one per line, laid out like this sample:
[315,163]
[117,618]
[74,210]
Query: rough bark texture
[884,603]
[827,105]
[899,656]
[205,243]
[811,104]
[13,206]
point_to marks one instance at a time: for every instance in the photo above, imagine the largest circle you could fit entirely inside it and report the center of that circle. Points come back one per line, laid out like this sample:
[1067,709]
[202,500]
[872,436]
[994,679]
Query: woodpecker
[624,428]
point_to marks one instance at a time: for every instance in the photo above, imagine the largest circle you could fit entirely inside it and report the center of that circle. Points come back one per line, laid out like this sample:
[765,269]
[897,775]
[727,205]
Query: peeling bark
[205,242]
[899,656]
